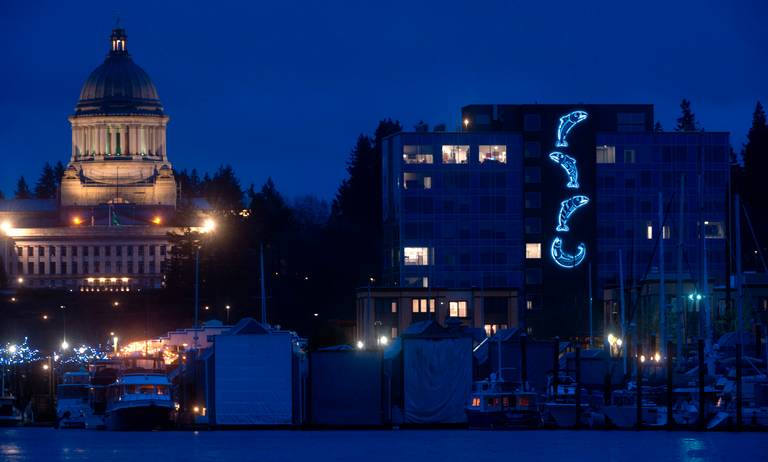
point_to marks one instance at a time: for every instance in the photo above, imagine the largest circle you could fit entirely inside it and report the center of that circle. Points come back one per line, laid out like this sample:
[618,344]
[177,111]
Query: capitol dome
[118,86]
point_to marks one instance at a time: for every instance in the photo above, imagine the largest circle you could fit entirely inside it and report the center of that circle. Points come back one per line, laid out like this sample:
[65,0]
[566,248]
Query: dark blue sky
[282,89]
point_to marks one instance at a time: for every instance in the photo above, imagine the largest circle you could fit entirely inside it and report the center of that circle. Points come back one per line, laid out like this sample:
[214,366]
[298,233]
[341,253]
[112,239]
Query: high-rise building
[538,200]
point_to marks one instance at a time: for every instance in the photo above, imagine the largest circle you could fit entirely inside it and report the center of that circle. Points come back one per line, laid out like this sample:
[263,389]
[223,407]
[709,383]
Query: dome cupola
[118,86]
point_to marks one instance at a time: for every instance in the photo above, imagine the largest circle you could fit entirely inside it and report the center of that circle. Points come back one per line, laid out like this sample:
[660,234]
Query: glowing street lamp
[64,345]
[6,227]
[360,345]
[209,225]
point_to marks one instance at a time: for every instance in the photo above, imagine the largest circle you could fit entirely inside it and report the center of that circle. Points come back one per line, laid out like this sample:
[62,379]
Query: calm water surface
[46,444]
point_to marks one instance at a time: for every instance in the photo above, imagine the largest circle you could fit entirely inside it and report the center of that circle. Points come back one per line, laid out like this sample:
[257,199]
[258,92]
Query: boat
[139,401]
[499,404]
[73,400]
[560,408]
[621,412]
[10,416]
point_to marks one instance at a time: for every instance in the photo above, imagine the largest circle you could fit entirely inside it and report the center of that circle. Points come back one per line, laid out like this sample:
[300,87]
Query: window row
[454,154]
[460,180]
[86,250]
[64,268]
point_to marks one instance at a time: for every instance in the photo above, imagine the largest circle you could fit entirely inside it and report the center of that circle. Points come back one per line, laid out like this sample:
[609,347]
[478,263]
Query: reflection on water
[692,449]
[32,444]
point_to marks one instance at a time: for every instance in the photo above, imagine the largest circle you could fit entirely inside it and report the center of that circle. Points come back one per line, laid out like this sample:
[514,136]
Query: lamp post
[5,227]
[227,308]
[208,226]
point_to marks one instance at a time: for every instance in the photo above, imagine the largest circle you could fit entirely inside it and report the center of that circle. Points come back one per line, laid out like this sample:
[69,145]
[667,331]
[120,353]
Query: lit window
[416,256]
[454,154]
[394,332]
[419,305]
[491,329]
[666,233]
[714,230]
[629,156]
[417,154]
[394,307]
[529,305]
[532,250]
[649,231]
[493,154]
[606,154]
[457,309]
[416,181]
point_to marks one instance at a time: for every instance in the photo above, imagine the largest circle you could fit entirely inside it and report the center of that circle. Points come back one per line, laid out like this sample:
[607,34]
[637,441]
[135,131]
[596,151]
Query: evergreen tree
[687,120]
[755,155]
[194,183]
[22,189]
[2,195]
[657,127]
[356,210]
[223,190]
[47,184]
[421,127]
[58,171]
[439,127]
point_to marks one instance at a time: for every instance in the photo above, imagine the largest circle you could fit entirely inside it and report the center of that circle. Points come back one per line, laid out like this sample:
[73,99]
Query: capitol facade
[108,228]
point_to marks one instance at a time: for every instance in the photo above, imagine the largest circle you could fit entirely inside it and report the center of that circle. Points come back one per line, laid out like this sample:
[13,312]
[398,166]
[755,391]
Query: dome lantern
[119,41]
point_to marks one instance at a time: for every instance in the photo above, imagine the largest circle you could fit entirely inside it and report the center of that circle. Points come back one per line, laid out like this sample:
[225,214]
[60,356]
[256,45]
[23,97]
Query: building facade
[108,228]
[540,199]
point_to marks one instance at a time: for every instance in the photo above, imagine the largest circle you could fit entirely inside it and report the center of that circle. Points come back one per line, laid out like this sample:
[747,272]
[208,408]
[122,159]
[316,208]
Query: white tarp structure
[437,379]
[254,377]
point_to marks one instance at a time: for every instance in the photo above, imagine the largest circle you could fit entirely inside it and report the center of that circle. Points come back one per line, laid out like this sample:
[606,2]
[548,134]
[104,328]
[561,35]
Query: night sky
[282,89]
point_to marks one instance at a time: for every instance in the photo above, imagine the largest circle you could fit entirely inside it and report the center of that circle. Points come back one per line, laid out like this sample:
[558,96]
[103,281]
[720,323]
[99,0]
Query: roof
[118,86]
[138,379]
[28,205]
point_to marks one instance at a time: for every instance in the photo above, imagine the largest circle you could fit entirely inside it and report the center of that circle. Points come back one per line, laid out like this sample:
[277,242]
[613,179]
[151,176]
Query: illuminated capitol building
[108,227]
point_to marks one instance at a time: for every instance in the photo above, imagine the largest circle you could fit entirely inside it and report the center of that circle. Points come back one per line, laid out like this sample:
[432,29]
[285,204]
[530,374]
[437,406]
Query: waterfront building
[538,200]
[107,229]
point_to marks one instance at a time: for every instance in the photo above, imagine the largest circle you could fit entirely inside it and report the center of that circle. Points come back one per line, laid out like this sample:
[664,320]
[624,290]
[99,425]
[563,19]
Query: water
[47,444]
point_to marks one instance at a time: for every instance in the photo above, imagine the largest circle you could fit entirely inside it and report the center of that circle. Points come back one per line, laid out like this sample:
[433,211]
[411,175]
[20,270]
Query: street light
[6,227]
[209,225]
[360,345]
[64,345]
[227,308]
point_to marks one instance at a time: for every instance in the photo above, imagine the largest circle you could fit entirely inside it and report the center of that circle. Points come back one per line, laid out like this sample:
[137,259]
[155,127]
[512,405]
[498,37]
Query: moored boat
[72,400]
[10,416]
[499,404]
[140,401]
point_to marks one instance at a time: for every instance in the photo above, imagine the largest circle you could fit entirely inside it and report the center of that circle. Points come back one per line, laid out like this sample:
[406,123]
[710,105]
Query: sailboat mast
[662,294]
[681,314]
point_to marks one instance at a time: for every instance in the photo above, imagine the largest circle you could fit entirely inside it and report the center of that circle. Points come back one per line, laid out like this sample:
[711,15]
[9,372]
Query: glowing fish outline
[567,122]
[564,259]
[569,165]
[567,208]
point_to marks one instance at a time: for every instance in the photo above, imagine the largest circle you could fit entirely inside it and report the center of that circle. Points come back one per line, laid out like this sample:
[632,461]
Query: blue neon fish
[565,259]
[567,208]
[567,122]
[569,165]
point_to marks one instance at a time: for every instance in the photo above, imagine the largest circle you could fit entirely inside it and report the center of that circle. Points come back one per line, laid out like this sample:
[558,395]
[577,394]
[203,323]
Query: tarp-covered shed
[254,376]
[346,388]
[436,373]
